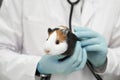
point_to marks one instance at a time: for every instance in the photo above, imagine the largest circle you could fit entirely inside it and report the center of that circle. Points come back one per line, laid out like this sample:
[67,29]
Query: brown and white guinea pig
[60,41]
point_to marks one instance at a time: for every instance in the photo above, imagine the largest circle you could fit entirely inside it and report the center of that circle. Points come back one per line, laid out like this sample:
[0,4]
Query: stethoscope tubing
[70,26]
[73,3]
[71,12]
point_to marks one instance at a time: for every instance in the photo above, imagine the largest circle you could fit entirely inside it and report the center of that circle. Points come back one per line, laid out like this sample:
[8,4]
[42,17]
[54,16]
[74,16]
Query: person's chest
[39,15]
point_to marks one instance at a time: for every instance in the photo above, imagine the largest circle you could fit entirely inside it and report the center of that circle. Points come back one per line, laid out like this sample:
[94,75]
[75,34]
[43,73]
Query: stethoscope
[48,76]
[72,3]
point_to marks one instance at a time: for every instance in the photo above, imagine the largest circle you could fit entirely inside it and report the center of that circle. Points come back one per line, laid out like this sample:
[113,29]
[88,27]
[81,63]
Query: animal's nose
[47,51]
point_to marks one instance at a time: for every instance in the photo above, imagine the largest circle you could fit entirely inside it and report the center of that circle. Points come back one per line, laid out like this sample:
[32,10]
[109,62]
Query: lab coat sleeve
[113,56]
[13,64]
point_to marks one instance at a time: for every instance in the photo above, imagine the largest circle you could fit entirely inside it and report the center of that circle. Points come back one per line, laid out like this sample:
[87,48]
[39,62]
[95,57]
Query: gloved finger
[73,58]
[80,29]
[60,56]
[84,60]
[91,41]
[93,47]
[79,59]
[86,34]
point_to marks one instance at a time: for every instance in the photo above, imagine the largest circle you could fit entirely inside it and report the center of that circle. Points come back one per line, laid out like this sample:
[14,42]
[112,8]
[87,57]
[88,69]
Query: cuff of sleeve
[101,69]
[110,63]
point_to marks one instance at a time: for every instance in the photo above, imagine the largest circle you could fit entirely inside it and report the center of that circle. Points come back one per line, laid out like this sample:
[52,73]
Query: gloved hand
[49,64]
[94,44]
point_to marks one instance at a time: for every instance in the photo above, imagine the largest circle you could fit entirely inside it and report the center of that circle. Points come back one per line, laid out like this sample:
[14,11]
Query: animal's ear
[65,31]
[49,30]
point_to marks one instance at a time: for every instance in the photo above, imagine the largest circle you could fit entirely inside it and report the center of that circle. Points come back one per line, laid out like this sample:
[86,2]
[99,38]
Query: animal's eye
[57,41]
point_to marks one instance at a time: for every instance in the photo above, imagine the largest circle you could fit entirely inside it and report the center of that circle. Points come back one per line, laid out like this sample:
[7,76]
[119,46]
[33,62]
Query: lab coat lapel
[88,12]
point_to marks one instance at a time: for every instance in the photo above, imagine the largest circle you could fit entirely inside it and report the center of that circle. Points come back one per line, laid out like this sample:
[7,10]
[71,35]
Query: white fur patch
[55,49]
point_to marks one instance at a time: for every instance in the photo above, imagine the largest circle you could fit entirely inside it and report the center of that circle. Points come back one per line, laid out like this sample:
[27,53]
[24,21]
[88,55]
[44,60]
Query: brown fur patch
[61,36]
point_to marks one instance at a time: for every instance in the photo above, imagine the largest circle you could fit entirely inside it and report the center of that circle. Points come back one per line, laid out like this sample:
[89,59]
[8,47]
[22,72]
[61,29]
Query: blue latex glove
[49,64]
[94,44]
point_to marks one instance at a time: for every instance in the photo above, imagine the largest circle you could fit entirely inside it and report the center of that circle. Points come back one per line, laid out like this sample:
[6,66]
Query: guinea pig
[60,41]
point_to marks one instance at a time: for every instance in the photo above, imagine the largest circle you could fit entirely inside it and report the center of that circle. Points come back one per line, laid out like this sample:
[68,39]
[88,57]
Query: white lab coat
[23,31]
